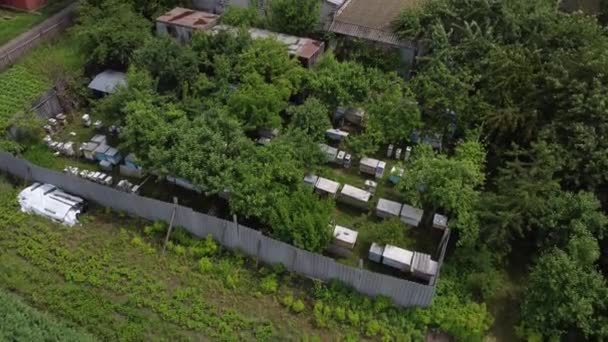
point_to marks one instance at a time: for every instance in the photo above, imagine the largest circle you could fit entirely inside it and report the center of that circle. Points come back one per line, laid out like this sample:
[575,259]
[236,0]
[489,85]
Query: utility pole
[170,225]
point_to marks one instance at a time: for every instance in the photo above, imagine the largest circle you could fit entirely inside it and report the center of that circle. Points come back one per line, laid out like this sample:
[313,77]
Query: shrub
[340,314]
[322,314]
[287,300]
[155,228]
[205,265]
[142,245]
[269,284]
[298,306]
[353,317]
[179,250]
[372,328]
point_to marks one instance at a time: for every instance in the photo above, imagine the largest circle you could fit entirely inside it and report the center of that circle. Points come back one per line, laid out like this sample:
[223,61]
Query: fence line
[232,235]
[13,50]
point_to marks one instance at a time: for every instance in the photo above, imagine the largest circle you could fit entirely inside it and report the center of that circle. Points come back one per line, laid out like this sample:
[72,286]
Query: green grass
[21,84]
[21,322]
[13,23]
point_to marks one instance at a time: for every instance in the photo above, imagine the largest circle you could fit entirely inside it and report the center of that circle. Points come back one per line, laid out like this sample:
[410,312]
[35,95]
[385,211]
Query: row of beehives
[102,178]
[65,148]
[56,123]
[347,194]
[97,149]
[418,264]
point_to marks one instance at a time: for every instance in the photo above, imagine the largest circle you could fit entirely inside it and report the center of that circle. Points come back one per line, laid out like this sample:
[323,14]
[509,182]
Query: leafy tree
[303,220]
[435,181]
[173,65]
[207,152]
[297,17]
[564,295]
[239,16]
[312,117]
[139,85]
[389,232]
[110,31]
[258,104]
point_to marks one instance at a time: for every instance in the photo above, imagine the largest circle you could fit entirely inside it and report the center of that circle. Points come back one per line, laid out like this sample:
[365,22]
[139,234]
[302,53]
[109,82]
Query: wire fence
[13,50]
[234,236]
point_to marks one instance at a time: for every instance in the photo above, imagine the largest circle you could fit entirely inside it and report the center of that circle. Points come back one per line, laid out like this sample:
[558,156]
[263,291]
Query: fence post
[170,224]
[257,254]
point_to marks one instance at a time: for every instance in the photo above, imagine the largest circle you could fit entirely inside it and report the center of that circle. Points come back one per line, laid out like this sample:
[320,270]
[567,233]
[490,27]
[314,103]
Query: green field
[21,322]
[13,23]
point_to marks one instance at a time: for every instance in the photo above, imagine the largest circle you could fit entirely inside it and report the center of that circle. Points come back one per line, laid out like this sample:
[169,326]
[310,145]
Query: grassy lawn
[21,322]
[13,23]
[21,84]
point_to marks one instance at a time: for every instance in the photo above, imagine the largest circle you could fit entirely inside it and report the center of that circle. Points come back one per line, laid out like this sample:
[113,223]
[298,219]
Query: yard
[13,23]
[110,277]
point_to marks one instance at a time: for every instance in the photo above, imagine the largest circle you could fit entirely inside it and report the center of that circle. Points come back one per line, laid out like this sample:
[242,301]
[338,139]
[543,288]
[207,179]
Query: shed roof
[391,207]
[189,18]
[108,81]
[327,185]
[297,46]
[359,194]
[369,162]
[371,19]
[102,149]
[346,235]
[411,212]
[400,255]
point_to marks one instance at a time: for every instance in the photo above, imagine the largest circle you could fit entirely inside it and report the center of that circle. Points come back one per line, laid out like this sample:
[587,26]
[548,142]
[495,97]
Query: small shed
[108,81]
[113,156]
[388,209]
[440,221]
[355,196]
[330,152]
[380,169]
[336,134]
[411,215]
[310,180]
[398,258]
[368,165]
[131,168]
[100,152]
[355,116]
[345,237]
[88,149]
[423,266]
[99,139]
[375,252]
[327,187]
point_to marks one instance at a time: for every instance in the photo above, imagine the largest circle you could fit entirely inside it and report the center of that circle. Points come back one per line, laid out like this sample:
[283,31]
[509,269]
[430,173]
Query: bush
[269,284]
[203,248]
[353,317]
[205,265]
[298,306]
[372,328]
[340,314]
[156,228]
[287,301]
[142,245]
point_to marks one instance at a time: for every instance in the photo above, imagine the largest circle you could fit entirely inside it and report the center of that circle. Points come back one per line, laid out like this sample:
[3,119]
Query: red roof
[188,18]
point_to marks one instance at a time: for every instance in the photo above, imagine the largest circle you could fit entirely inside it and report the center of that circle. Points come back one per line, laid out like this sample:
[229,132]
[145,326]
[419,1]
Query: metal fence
[13,50]
[233,236]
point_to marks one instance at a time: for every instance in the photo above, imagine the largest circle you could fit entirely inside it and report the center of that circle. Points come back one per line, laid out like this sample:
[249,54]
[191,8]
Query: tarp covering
[108,81]
[48,201]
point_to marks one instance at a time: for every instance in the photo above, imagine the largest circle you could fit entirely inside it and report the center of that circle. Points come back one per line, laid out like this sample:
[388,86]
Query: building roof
[185,17]
[369,162]
[102,149]
[345,235]
[391,207]
[352,192]
[400,255]
[327,185]
[411,212]
[108,81]
[371,19]
[297,46]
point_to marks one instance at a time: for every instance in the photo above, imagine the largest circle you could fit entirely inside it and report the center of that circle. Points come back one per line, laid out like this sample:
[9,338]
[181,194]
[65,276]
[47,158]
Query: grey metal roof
[356,193]
[391,207]
[108,81]
[411,212]
[371,19]
[102,149]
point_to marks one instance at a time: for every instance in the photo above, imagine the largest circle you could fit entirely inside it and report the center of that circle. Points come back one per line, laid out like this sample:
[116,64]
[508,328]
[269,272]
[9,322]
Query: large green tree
[312,117]
[110,31]
[453,184]
[298,17]
[563,296]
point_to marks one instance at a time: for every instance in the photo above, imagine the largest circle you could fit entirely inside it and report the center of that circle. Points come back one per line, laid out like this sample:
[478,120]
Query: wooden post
[170,225]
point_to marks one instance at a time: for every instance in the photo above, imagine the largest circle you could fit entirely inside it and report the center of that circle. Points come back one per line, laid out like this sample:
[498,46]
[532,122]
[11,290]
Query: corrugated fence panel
[252,242]
[347,274]
[276,252]
[249,240]
[210,225]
